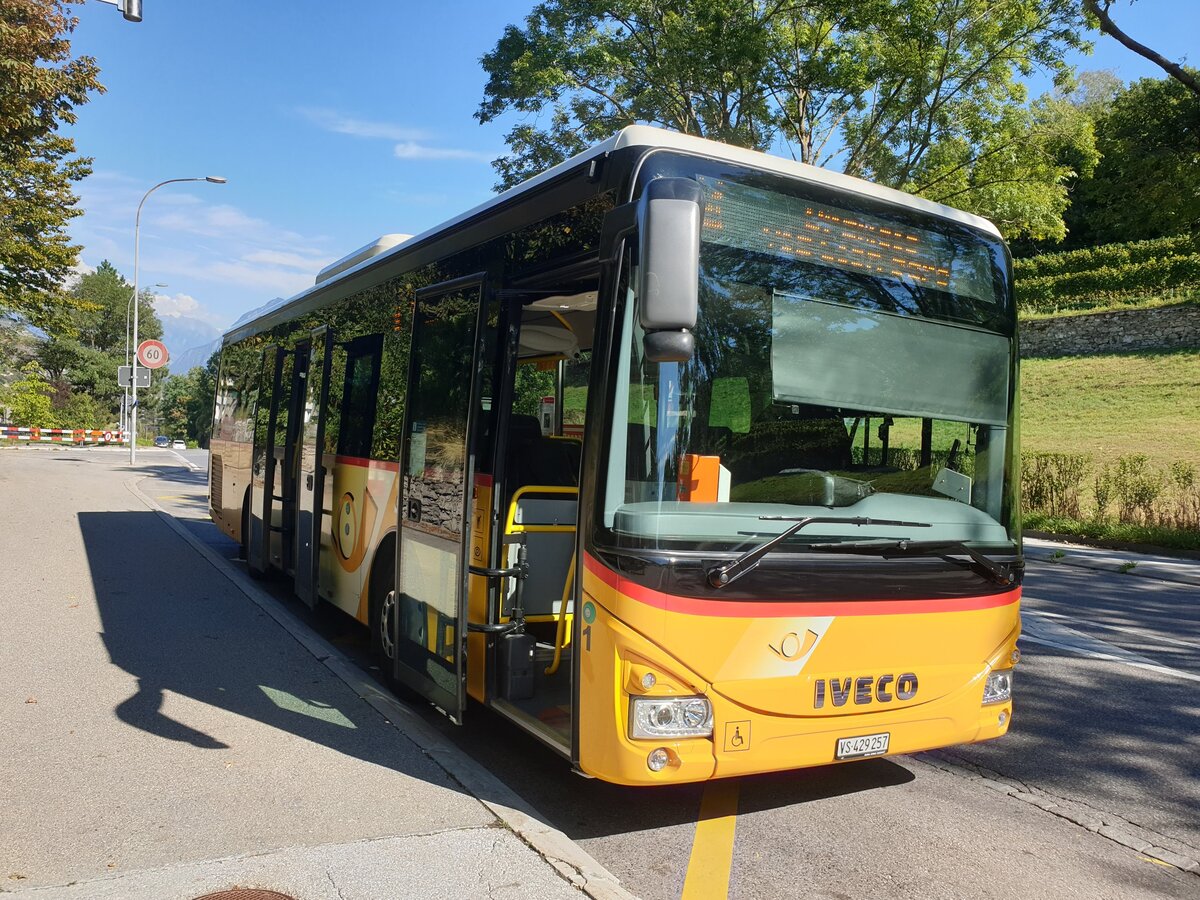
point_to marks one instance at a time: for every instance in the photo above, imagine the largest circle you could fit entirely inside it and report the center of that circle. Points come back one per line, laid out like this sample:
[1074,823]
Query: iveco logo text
[865,689]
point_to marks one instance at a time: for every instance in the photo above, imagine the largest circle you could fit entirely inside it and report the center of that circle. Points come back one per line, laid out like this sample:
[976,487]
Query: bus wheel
[381,611]
[244,545]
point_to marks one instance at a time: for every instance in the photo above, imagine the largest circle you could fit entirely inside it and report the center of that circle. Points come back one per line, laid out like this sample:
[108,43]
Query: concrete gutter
[1124,562]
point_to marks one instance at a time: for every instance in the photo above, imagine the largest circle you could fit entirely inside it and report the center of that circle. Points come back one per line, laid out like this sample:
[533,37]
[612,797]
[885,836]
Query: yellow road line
[712,847]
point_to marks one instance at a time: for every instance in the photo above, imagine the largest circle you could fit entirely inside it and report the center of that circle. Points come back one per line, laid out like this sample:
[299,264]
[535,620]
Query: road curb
[571,861]
[1124,562]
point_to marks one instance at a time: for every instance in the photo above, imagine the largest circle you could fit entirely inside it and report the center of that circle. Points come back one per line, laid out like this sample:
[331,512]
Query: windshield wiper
[721,576]
[983,565]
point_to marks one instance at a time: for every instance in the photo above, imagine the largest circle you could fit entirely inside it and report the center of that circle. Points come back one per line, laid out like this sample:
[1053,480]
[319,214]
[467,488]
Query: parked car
[162,441]
[178,444]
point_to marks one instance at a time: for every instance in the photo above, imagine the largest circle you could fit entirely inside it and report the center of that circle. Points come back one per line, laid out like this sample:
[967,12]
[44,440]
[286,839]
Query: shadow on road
[1087,727]
[176,624]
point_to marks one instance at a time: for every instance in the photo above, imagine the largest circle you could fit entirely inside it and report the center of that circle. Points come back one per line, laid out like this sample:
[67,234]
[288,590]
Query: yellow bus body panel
[761,671]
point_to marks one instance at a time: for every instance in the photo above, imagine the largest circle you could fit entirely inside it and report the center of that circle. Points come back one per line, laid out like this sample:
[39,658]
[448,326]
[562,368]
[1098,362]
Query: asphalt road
[1095,785]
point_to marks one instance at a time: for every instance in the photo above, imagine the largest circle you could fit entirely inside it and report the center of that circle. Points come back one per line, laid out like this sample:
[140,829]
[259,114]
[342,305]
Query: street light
[125,399]
[137,227]
[130,9]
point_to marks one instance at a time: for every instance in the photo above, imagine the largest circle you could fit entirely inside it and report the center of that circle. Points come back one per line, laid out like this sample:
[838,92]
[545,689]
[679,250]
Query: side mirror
[669,267]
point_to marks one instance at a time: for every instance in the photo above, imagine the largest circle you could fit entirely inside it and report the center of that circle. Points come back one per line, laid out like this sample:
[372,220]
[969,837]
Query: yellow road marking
[1157,862]
[712,848]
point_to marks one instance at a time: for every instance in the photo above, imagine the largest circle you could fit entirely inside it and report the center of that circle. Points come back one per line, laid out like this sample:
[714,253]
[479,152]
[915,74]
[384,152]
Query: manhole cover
[246,894]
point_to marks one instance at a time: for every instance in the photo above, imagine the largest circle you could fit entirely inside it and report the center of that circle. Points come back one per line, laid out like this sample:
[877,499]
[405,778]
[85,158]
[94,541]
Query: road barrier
[62,435]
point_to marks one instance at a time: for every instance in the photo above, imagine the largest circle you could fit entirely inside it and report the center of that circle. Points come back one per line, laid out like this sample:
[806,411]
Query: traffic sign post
[124,373]
[152,354]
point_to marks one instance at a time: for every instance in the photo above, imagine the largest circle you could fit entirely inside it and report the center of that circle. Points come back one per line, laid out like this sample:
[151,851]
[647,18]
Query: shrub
[1049,293]
[1105,255]
[1051,483]
[1137,487]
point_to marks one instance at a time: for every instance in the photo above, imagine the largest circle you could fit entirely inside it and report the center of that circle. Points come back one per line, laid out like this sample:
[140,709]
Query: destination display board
[764,221]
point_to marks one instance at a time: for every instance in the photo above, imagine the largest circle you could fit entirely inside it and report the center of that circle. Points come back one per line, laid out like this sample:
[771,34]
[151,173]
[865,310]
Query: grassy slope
[1110,406]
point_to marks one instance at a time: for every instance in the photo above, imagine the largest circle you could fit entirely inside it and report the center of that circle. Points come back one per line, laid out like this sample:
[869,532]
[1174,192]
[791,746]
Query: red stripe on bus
[741,609]
[367,463]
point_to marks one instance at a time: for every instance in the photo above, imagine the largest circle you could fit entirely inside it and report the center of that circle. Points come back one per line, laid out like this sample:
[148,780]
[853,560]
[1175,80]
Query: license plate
[864,745]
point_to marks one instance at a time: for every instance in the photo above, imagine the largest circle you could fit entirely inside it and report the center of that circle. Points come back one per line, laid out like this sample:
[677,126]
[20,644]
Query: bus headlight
[998,688]
[660,717]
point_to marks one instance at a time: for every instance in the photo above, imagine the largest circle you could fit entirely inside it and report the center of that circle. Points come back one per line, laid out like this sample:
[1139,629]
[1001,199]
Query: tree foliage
[185,405]
[921,95]
[40,85]
[27,399]
[80,371]
[1147,183]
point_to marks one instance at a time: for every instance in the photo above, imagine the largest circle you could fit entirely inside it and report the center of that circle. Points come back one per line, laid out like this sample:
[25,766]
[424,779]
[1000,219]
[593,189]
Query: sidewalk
[1164,568]
[167,729]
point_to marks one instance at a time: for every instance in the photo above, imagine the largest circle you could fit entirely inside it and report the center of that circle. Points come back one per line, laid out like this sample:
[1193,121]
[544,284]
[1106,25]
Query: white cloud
[413,142]
[331,120]
[176,305]
[414,150]
[305,262]
[217,258]
[276,281]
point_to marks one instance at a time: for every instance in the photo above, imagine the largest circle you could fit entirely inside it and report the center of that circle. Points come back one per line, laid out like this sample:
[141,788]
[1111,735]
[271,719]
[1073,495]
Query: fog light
[658,759]
[649,681]
[1015,656]
[998,687]
[1003,719]
[669,717]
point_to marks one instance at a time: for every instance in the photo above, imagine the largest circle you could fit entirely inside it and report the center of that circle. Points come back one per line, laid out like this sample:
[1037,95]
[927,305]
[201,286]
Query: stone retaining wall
[1164,328]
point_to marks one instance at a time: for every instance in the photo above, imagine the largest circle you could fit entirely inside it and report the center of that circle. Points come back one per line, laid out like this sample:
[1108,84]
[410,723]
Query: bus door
[287,436]
[444,411]
[310,487]
[262,469]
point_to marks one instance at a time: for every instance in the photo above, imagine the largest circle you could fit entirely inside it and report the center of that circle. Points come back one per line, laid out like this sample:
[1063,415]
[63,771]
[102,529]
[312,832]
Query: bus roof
[646,136]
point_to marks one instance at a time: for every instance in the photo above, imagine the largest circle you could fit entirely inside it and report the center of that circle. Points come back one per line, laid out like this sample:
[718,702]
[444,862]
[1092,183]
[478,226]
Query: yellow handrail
[561,631]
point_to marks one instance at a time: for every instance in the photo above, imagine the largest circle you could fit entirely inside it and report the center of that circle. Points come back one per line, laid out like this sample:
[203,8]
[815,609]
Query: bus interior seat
[549,551]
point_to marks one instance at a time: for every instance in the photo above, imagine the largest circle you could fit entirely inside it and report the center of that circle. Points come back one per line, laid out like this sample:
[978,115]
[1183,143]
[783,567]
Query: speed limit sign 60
[152,354]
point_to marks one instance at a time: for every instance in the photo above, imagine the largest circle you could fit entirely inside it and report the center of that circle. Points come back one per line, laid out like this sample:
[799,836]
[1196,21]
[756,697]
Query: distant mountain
[187,339]
[193,357]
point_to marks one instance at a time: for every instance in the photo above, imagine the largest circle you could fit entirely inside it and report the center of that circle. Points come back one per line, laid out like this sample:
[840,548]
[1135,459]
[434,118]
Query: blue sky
[334,123]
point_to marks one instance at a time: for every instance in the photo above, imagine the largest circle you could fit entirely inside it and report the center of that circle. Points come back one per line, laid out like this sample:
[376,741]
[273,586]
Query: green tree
[27,399]
[82,411]
[106,312]
[87,363]
[1147,183]
[921,95]
[185,404]
[40,85]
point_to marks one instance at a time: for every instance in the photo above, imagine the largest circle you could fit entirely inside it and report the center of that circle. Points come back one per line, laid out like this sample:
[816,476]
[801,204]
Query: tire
[244,545]
[380,604]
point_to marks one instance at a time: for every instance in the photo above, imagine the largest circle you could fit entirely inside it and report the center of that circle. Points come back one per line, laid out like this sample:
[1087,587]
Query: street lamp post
[137,225]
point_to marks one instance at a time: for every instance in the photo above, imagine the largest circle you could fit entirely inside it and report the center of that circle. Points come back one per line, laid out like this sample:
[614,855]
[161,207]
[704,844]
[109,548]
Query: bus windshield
[851,356]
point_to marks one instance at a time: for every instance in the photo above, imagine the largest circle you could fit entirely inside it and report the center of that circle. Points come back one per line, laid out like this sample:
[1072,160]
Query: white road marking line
[1156,637]
[187,462]
[1037,630]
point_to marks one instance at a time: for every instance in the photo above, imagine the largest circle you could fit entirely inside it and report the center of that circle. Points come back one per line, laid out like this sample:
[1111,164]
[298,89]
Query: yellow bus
[691,461]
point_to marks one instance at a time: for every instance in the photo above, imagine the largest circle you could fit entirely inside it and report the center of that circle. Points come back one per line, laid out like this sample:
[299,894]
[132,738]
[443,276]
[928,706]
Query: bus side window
[358,396]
